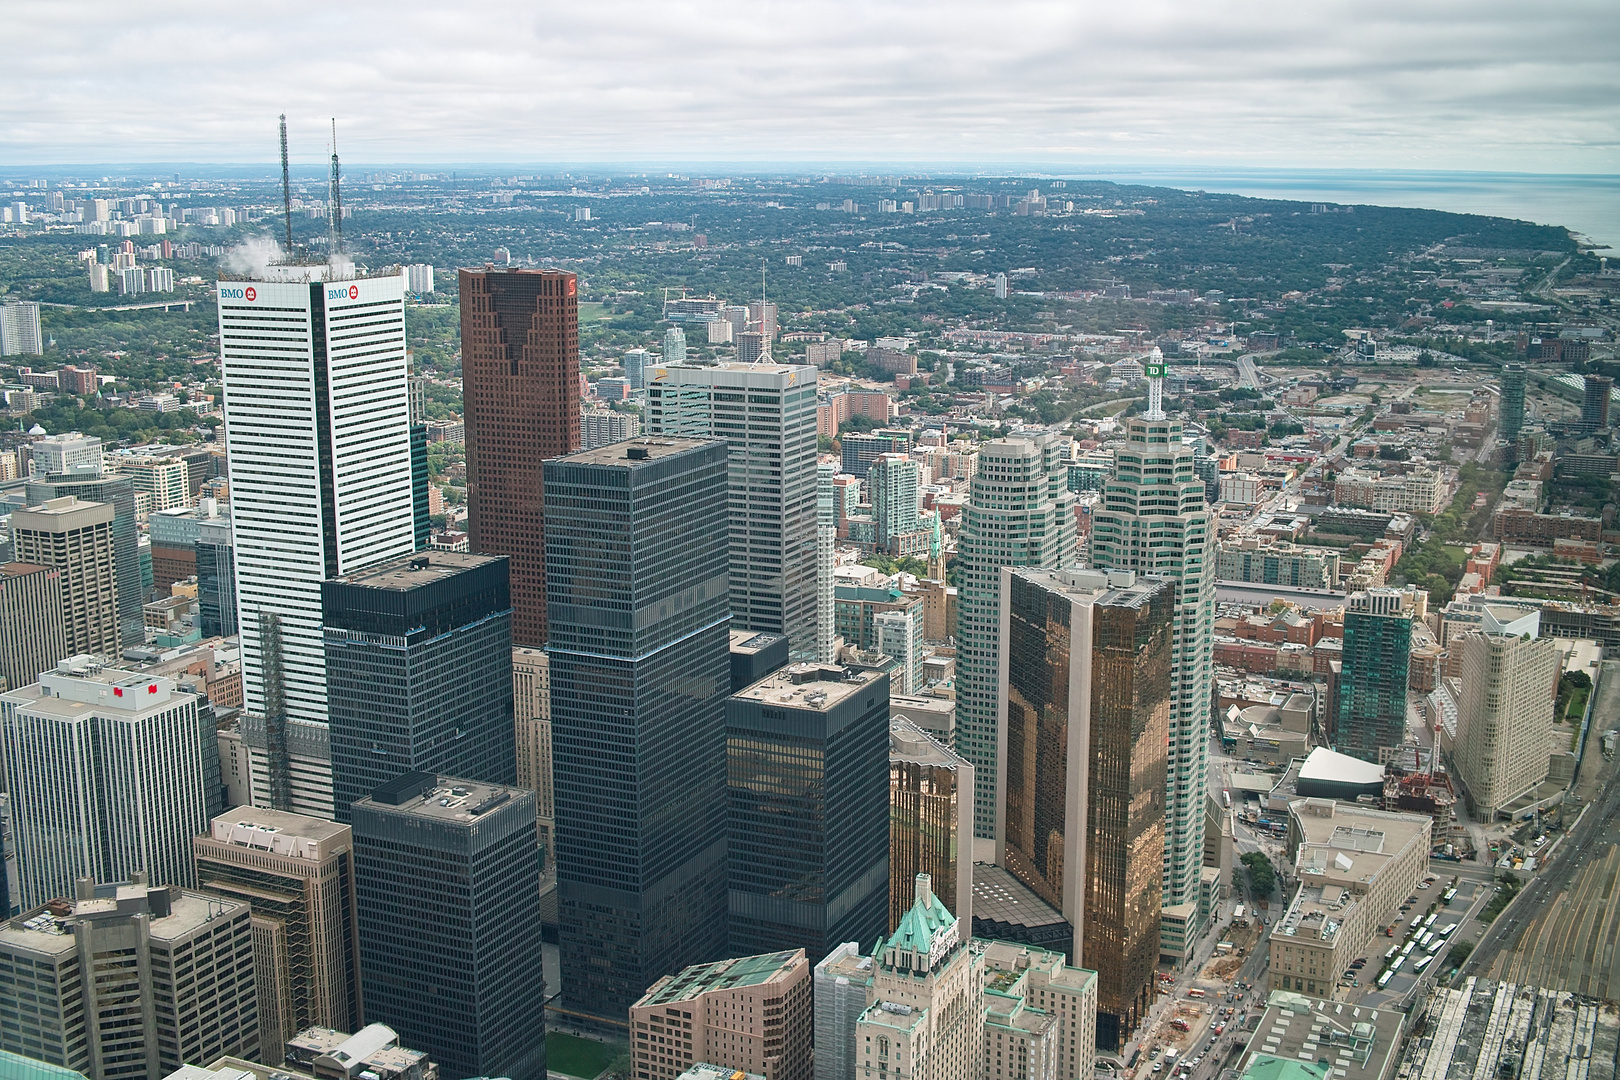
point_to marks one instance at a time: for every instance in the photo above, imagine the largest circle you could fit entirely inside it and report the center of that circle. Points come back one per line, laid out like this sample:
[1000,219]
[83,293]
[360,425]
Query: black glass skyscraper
[447,890]
[637,595]
[419,672]
[808,779]
[216,578]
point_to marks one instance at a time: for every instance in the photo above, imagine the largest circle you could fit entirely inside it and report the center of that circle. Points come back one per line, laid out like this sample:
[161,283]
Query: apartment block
[32,637]
[76,539]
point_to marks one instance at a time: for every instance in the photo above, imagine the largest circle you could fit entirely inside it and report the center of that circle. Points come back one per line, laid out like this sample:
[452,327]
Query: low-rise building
[1354,1043]
[752,1013]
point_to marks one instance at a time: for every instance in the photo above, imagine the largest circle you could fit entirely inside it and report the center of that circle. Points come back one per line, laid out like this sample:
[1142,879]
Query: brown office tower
[520,394]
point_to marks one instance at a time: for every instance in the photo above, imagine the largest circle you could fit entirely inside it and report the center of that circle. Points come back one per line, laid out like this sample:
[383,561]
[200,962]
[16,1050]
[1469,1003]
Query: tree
[622,1067]
[1459,953]
[1262,875]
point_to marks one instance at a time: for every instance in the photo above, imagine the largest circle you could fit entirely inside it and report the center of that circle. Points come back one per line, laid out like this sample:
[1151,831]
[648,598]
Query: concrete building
[32,635]
[766,413]
[106,775]
[1371,699]
[1153,519]
[1363,1043]
[531,719]
[636,550]
[75,539]
[129,981]
[1511,419]
[930,821]
[19,329]
[925,1012]
[67,454]
[1595,404]
[128,562]
[840,983]
[1021,513]
[751,1013]
[419,669]
[1420,491]
[885,620]
[893,480]
[826,542]
[1086,661]
[297,874]
[1247,559]
[428,852]
[305,352]
[1505,718]
[1355,867]
[162,479]
[372,1051]
[174,534]
[601,427]
[1041,1014]
[290,770]
[808,810]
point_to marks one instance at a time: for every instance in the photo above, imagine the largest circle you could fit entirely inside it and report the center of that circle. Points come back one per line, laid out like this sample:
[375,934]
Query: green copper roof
[1267,1067]
[720,975]
[926,917]
[17,1067]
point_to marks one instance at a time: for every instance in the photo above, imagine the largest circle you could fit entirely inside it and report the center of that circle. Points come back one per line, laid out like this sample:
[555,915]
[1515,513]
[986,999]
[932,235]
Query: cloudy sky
[1430,84]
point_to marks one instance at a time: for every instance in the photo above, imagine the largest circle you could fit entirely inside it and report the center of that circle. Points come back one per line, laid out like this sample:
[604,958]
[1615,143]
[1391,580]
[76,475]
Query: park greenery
[1262,875]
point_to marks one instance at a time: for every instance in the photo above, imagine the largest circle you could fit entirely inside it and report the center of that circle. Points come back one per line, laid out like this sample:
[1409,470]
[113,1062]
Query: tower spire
[1154,370]
[334,202]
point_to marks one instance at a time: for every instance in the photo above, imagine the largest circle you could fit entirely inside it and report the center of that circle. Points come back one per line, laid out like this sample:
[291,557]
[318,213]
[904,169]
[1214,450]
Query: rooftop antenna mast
[335,199]
[286,187]
[764,335]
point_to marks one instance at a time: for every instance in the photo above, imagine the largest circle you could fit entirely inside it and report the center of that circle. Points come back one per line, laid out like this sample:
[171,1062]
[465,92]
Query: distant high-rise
[762,317]
[318,437]
[19,329]
[826,545]
[1512,407]
[419,672]
[448,894]
[216,578]
[130,981]
[752,347]
[1153,519]
[32,638]
[1372,682]
[89,485]
[930,821]
[75,539]
[674,346]
[635,363]
[106,776]
[1001,285]
[767,415]
[808,813]
[894,481]
[1505,718]
[520,390]
[1595,406]
[531,718]
[636,558]
[68,454]
[297,873]
[1020,513]
[1081,816]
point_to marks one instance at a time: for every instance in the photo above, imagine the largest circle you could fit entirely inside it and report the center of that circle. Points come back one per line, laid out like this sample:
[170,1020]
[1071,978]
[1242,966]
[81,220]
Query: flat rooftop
[752,641]
[650,449]
[722,975]
[1000,897]
[413,571]
[447,799]
[812,686]
[908,742]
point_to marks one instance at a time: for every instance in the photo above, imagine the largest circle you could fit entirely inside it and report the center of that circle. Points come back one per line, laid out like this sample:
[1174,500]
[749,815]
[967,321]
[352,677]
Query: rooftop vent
[636,453]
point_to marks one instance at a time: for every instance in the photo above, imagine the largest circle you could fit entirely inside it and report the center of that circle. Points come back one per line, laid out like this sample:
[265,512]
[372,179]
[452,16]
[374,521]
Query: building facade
[766,413]
[1371,698]
[76,540]
[808,810]
[1505,718]
[429,853]
[1020,513]
[106,776]
[1153,519]
[297,875]
[1087,657]
[216,578]
[318,439]
[419,671]
[520,389]
[751,1013]
[930,822]
[88,485]
[32,634]
[636,558]
[1511,419]
[531,719]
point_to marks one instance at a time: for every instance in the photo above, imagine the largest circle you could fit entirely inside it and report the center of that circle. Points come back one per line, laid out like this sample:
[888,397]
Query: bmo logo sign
[340,293]
[248,294]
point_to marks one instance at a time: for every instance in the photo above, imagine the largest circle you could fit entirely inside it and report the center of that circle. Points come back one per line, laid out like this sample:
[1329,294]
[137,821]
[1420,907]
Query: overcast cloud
[1484,84]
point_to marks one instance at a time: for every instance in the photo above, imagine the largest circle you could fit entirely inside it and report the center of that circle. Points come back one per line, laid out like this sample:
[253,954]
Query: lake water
[1586,204]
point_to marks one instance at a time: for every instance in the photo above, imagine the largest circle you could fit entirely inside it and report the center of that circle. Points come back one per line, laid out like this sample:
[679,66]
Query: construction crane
[286,187]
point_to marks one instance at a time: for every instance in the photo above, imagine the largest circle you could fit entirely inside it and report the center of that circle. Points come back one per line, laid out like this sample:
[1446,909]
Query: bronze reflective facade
[520,396]
[930,822]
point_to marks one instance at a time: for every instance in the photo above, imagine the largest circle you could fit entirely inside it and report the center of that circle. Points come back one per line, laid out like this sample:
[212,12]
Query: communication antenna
[335,198]
[286,187]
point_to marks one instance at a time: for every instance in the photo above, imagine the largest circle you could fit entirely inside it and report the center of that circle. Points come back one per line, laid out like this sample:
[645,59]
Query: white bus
[1448,929]
[1423,963]
[1383,980]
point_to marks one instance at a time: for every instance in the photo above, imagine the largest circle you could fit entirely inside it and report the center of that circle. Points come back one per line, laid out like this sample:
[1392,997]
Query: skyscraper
[520,389]
[1153,520]
[75,539]
[19,329]
[1081,812]
[1505,719]
[826,545]
[419,672]
[531,718]
[808,813]
[1595,406]
[893,480]
[1020,513]
[1512,408]
[930,821]
[86,484]
[674,346]
[767,415]
[448,892]
[106,778]
[640,670]
[1372,682]
[216,578]
[32,638]
[297,873]
[317,434]
[635,363]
